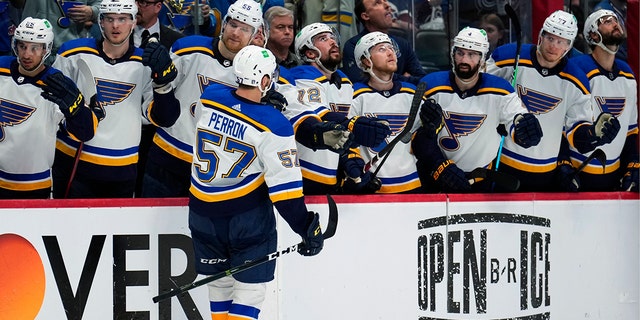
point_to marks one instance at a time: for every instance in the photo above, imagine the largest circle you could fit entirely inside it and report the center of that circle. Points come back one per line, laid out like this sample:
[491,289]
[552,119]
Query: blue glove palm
[369,132]
[527,132]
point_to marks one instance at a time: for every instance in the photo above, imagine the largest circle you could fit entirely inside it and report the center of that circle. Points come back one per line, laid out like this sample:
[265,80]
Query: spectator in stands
[281,35]
[494,27]
[375,15]
[67,25]
[9,19]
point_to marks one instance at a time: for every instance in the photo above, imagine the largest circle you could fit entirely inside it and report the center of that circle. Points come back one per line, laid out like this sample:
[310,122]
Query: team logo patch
[536,101]
[458,125]
[613,105]
[12,113]
[396,124]
[112,92]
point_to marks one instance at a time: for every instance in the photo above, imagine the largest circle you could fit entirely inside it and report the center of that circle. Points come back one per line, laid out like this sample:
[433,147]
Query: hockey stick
[596,154]
[90,87]
[332,224]
[413,112]
[506,181]
[516,25]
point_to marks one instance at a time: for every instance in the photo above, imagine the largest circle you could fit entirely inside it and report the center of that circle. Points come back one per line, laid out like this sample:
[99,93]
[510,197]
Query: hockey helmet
[34,30]
[119,6]
[368,41]
[471,39]
[591,26]
[245,11]
[252,63]
[304,38]
[562,24]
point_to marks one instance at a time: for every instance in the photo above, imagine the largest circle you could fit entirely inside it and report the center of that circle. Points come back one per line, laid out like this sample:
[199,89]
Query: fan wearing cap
[129,86]
[557,92]
[459,119]
[201,61]
[35,99]
[389,100]
[613,90]
[244,163]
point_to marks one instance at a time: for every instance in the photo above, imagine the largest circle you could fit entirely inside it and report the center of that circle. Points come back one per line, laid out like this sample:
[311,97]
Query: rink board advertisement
[526,256]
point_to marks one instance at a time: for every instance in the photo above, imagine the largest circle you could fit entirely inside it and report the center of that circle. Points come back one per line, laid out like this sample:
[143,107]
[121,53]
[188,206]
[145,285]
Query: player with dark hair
[244,163]
[34,101]
[613,90]
[473,104]
[130,84]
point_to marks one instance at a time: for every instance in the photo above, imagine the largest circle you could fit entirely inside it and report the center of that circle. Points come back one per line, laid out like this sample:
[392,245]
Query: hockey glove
[97,109]
[566,176]
[527,132]
[369,132]
[157,57]
[357,182]
[275,98]
[629,181]
[312,240]
[606,128]
[431,117]
[62,91]
[451,178]
[330,134]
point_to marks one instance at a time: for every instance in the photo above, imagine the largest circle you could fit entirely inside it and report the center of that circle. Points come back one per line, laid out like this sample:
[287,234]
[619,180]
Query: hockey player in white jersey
[473,104]
[201,61]
[613,90]
[322,102]
[130,84]
[557,92]
[34,101]
[244,163]
[382,97]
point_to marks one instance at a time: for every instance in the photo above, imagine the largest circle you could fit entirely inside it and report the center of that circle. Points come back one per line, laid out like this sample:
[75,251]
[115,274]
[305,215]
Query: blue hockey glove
[450,177]
[367,183]
[97,109]
[369,132]
[312,240]
[527,132]
[431,117]
[275,98]
[630,181]
[62,91]
[157,57]
[606,128]
[330,134]
[566,176]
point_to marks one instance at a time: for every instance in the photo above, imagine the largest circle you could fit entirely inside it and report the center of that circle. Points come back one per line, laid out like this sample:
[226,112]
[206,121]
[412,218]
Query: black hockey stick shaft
[332,225]
[501,179]
[516,25]
[413,113]
[596,154]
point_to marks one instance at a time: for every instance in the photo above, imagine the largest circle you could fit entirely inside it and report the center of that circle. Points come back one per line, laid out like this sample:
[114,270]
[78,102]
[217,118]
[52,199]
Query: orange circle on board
[22,280]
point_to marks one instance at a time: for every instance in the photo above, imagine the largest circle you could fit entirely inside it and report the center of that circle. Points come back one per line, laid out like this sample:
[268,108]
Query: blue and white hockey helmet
[471,39]
[592,23]
[245,11]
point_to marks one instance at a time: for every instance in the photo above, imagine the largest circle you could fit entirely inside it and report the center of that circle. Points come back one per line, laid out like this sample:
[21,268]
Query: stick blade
[332,224]
[505,181]
[601,157]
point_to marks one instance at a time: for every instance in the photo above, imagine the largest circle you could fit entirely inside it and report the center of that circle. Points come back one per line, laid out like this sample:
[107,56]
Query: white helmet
[245,11]
[471,39]
[368,41]
[34,30]
[591,26]
[252,63]
[304,38]
[119,6]
[562,24]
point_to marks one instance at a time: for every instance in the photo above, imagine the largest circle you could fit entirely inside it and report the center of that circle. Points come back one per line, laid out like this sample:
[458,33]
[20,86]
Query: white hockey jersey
[28,126]
[469,136]
[124,90]
[398,174]
[199,65]
[244,153]
[316,96]
[558,97]
[614,92]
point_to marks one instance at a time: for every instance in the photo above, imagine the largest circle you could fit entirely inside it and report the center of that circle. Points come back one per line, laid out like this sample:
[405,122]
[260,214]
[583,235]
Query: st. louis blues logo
[459,124]
[613,105]
[12,113]
[64,6]
[396,124]
[536,101]
[111,92]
